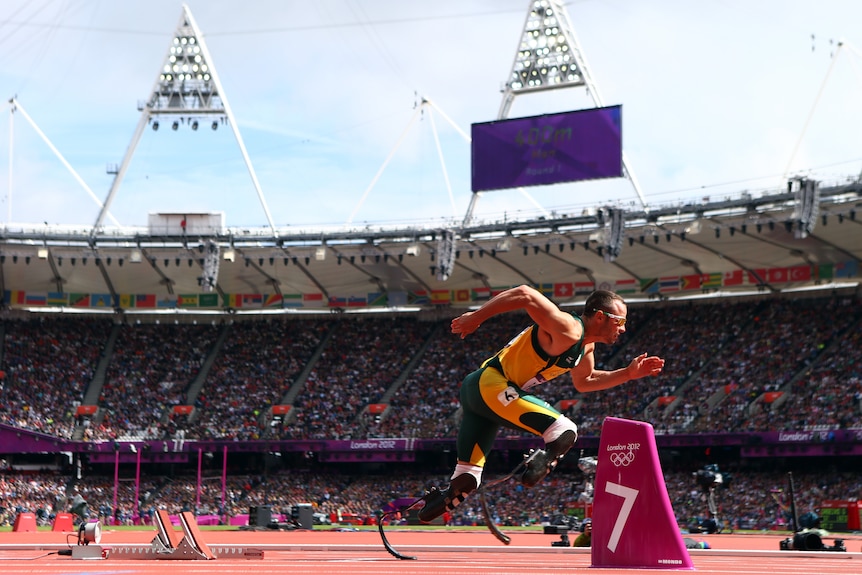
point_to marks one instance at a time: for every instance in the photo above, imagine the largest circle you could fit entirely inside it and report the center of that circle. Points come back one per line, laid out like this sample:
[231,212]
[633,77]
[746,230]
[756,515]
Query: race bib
[508,395]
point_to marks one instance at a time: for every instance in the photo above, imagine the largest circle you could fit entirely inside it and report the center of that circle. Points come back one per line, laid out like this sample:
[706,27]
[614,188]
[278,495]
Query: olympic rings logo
[622,459]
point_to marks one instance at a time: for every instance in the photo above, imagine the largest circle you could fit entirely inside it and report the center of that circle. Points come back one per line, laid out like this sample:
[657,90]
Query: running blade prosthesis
[517,473]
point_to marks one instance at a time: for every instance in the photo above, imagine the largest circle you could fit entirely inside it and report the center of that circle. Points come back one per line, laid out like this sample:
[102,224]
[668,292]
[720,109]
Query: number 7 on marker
[629,495]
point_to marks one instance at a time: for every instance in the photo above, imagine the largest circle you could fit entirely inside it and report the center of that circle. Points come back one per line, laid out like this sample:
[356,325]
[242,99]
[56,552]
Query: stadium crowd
[755,365]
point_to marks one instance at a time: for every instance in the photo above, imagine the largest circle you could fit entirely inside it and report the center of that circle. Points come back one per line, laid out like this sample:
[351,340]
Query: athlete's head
[606,314]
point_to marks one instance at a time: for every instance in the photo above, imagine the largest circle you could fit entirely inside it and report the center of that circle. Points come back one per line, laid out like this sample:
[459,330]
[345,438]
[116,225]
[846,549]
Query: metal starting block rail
[169,544]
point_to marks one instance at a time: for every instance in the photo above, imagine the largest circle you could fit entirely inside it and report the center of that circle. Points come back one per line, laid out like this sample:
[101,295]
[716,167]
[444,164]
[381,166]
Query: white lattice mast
[549,58]
[187,91]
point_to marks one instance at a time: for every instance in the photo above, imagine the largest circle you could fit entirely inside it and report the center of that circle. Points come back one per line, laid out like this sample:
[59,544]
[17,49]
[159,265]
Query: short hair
[601,300]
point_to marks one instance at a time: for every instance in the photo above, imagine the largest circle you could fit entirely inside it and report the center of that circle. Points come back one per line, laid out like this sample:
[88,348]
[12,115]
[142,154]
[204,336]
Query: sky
[719,98]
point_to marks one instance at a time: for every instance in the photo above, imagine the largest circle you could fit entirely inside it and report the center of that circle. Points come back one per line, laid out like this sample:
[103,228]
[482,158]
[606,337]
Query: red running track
[450,552]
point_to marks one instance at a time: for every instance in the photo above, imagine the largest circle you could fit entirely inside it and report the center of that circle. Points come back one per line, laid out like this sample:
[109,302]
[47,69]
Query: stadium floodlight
[545,58]
[186,88]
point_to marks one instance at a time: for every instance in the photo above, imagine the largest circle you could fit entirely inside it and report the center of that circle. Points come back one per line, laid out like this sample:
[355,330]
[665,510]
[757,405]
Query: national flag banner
[101,300]
[15,297]
[357,301]
[689,282]
[208,300]
[439,296]
[418,297]
[649,285]
[252,300]
[710,280]
[57,298]
[547,290]
[799,273]
[79,299]
[232,300]
[274,300]
[460,295]
[38,299]
[313,300]
[825,271]
[847,269]
[166,302]
[377,299]
[397,298]
[127,301]
[564,290]
[480,293]
[584,288]
[291,300]
[777,275]
[758,276]
[145,300]
[187,300]
[626,286]
[668,284]
[733,278]
[337,301]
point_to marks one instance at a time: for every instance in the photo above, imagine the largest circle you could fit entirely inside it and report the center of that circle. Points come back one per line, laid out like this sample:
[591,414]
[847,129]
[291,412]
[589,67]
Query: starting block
[170,545]
[168,542]
[633,521]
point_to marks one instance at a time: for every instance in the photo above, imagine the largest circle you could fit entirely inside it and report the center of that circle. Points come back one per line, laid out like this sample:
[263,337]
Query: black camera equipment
[709,479]
[808,539]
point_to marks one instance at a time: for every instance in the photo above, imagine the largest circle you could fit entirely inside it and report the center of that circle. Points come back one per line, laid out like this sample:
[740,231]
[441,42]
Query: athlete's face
[613,322]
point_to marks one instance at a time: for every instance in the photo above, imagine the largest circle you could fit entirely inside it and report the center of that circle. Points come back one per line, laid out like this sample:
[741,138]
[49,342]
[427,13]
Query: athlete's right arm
[543,311]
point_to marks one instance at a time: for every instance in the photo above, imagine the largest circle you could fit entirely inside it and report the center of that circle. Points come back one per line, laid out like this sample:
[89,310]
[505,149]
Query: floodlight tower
[549,58]
[187,91]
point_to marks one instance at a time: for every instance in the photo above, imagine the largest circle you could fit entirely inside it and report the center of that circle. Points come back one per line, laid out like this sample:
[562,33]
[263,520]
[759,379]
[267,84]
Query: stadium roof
[722,247]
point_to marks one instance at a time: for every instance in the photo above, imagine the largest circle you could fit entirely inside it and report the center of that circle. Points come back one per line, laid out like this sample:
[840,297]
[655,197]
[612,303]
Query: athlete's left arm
[587,378]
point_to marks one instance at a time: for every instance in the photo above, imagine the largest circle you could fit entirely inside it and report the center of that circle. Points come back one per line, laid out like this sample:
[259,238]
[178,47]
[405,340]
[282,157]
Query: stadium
[247,374]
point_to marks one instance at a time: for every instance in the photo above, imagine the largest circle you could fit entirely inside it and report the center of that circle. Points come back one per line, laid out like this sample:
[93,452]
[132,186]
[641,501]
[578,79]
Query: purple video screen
[547,149]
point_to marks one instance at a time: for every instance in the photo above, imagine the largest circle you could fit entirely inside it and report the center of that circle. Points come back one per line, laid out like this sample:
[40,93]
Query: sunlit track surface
[450,553]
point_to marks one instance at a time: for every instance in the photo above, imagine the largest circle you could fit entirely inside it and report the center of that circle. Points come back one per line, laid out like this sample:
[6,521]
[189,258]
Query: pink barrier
[633,521]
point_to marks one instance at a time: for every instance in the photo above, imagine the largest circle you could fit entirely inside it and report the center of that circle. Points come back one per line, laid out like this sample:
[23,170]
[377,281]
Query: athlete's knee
[561,435]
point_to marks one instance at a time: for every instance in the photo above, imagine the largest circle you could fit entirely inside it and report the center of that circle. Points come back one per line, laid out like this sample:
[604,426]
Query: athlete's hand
[642,366]
[465,324]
